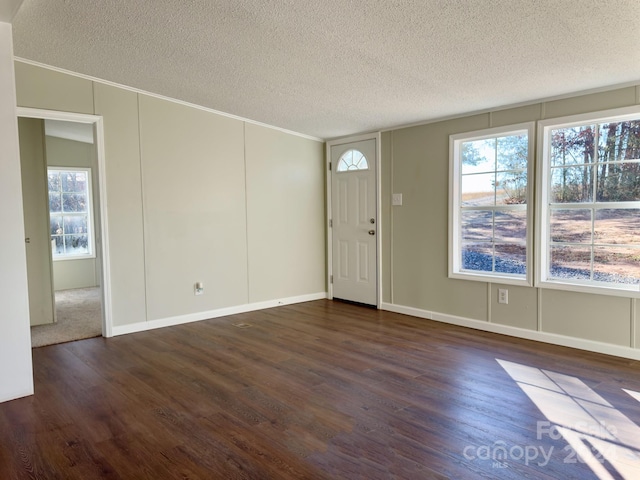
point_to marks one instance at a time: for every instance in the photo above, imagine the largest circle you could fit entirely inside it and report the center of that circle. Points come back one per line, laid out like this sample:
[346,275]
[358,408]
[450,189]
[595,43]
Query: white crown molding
[162,97]
[591,91]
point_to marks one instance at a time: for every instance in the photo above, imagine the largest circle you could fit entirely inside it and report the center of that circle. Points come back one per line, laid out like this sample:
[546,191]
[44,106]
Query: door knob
[372,232]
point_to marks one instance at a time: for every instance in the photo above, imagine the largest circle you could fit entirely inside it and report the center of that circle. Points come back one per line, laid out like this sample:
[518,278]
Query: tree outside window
[489,224]
[590,201]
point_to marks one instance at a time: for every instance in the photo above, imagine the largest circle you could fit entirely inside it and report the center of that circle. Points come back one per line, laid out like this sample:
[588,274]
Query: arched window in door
[352,160]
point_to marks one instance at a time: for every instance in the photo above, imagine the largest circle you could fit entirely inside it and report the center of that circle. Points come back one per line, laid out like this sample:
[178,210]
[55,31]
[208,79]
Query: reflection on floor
[597,433]
[79,316]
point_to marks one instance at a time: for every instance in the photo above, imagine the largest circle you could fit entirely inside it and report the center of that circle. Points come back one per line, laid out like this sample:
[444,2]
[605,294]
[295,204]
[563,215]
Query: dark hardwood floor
[322,390]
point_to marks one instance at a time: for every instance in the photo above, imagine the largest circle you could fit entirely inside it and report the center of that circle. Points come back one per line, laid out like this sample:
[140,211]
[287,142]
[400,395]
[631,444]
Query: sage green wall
[282,194]
[193,196]
[417,245]
[62,152]
[194,208]
[119,109]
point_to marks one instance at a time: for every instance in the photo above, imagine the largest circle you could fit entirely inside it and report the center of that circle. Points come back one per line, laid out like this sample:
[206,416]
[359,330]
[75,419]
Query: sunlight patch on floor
[601,436]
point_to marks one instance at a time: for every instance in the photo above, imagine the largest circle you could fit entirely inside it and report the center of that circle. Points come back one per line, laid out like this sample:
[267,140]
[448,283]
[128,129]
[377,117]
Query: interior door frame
[97,122]
[341,141]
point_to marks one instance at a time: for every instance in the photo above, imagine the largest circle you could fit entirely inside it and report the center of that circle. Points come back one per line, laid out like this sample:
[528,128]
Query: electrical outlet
[198,288]
[396,199]
[503,295]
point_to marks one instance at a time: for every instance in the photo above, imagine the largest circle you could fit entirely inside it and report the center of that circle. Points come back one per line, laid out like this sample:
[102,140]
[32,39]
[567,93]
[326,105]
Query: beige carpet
[79,316]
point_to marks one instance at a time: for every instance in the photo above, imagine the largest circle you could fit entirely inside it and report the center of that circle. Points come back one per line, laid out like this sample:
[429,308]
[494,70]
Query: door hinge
[330,222]
[329,165]
[330,278]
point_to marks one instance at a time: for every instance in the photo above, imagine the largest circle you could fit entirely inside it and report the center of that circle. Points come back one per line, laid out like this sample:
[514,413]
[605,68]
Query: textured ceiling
[335,67]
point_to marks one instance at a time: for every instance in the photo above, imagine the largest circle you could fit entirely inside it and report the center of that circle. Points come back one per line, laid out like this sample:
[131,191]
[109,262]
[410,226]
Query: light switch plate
[396,199]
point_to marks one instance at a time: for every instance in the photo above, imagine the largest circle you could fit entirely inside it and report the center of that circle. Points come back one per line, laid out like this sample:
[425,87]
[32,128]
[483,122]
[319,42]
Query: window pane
[570,262]
[478,256]
[572,146]
[477,225]
[56,224]
[619,141]
[74,181]
[511,226]
[511,152]
[74,202]
[352,160]
[478,190]
[511,258]
[511,188]
[75,224]
[76,245]
[55,205]
[618,226]
[54,181]
[618,182]
[571,184]
[616,265]
[57,244]
[570,226]
[479,156]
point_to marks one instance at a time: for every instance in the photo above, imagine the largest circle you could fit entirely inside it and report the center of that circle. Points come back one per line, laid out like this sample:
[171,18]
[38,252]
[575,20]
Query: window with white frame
[589,194]
[70,212]
[489,222]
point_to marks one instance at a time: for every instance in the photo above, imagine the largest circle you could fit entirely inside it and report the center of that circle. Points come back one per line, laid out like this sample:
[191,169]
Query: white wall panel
[16,374]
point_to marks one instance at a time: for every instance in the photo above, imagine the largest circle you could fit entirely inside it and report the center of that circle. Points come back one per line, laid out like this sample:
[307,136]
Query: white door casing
[354,221]
[101,230]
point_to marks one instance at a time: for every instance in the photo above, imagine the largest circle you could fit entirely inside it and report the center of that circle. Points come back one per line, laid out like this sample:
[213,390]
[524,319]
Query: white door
[355,223]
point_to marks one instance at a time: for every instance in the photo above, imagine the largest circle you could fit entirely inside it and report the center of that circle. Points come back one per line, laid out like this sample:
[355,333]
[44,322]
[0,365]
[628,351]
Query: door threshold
[358,304]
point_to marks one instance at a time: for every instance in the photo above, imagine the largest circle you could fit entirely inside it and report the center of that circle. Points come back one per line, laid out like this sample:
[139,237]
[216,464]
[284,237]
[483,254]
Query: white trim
[162,97]
[90,213]
[221,312]
[545,337]
[107,309]
[377,136]
[454,244]
[633,323]
[97,121]
[542,204]
[15,394]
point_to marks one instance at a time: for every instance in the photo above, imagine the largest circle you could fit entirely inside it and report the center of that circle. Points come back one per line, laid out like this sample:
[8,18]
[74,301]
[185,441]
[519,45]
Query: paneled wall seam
[489,302]
[143,213]
[539,308]
[391,210]
[634,326]
[246,206]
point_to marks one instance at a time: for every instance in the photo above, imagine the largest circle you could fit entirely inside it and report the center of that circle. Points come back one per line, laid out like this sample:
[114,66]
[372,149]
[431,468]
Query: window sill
[627,291]
[74,257]
[491,278]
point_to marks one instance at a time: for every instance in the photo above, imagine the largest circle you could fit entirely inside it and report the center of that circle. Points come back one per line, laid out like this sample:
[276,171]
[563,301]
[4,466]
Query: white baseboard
[545,337]
[16,394]
[221,312]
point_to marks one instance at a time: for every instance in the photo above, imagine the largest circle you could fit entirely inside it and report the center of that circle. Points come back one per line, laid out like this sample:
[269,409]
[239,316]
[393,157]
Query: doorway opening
[62,162]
